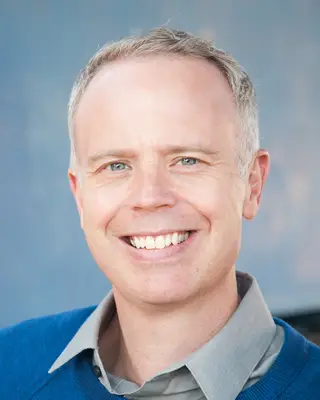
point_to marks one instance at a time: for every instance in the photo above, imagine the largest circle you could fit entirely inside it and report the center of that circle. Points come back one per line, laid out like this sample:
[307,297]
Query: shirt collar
[88,334]
[238,347]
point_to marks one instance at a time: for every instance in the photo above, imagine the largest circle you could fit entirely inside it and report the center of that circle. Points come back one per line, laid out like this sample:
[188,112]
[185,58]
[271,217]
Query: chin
[163,292]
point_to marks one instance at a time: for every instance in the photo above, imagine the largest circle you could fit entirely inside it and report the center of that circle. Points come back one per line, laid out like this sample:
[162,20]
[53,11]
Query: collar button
[97,371]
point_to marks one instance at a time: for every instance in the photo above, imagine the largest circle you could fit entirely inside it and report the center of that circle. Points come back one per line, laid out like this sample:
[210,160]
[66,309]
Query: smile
[158,242]
[155,248]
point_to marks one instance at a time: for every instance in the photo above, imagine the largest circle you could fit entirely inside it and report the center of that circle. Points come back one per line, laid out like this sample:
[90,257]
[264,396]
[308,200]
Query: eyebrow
[194,149]
[117,153]
[127,153]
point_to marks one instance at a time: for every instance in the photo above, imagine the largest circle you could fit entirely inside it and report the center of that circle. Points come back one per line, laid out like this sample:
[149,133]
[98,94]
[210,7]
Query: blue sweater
[28,350]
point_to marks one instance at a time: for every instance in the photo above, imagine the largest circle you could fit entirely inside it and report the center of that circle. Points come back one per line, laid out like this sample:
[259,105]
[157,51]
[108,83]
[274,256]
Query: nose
[152,190]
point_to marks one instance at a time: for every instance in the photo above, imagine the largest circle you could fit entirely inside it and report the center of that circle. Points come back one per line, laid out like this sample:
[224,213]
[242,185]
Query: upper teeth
[158,242]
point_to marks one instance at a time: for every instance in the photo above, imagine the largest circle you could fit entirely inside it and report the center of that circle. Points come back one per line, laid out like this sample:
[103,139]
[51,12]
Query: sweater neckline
[288,364]
[86,379]
[290,361]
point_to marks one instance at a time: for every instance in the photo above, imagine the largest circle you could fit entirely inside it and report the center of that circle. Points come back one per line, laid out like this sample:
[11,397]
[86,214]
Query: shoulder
[302,358]
[28,349]
[306,384]
[313,362]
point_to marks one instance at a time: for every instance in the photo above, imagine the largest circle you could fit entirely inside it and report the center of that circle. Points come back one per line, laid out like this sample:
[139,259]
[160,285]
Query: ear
[257,176]
[76,191]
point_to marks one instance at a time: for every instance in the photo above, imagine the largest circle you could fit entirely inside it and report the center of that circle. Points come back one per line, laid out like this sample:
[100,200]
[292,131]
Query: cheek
[216,199]
[100,204]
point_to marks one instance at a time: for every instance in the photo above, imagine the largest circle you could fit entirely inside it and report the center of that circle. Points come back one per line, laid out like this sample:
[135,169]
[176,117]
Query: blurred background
[45,266]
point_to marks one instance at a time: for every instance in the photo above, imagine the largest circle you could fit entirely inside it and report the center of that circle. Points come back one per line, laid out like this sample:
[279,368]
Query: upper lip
[155,233]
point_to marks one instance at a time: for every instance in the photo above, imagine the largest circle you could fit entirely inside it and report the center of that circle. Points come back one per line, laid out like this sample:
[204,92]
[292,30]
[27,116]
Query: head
[165,149]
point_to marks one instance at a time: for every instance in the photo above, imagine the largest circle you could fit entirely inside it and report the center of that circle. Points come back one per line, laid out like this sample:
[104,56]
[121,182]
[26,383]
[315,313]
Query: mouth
[157,242]
[160,247]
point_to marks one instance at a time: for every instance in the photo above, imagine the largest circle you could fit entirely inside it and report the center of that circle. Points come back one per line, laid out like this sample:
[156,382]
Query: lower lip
[168,253]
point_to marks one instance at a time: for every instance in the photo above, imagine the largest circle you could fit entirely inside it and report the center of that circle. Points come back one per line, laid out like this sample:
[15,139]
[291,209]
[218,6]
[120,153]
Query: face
[161,201]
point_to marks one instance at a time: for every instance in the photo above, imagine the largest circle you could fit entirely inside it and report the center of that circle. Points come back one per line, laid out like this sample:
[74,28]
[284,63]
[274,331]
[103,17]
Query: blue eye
[189,161]
[117,166]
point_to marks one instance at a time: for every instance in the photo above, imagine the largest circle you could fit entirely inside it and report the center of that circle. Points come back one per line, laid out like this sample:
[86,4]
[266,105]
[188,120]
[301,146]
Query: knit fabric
[27,351]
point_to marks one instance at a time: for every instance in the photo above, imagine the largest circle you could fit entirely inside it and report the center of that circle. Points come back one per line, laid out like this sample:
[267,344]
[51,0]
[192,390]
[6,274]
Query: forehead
[151,100]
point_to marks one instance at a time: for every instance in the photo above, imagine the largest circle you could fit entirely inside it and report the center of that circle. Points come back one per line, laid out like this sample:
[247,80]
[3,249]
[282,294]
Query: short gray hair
[166,41]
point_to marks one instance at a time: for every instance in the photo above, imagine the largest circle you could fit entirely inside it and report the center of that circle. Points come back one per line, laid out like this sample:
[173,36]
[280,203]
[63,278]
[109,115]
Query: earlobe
[256,179]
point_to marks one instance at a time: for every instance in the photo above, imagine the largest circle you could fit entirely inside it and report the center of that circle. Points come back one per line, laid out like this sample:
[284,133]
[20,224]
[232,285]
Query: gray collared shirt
[237,357]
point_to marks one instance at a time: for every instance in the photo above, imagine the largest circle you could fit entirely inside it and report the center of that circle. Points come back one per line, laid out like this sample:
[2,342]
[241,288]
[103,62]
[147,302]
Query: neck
[138,344]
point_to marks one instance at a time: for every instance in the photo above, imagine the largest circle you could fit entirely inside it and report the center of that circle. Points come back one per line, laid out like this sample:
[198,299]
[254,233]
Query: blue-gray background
[45,266]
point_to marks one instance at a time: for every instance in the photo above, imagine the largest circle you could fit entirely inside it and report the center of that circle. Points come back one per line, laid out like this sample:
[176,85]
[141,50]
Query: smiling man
[165,165]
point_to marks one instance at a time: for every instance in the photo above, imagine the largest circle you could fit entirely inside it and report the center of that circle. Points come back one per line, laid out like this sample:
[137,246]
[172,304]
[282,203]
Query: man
[165,164]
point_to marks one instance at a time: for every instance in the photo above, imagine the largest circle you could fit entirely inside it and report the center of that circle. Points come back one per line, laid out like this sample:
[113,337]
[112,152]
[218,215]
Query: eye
[189,161]
[116,166]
